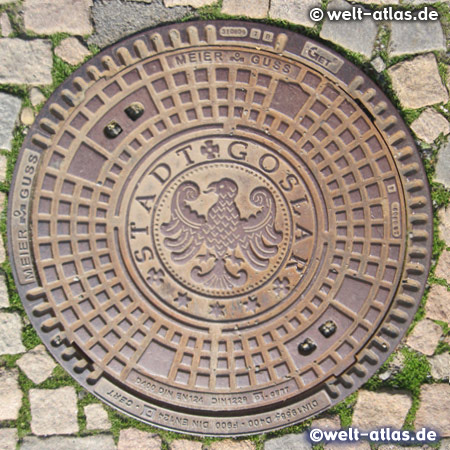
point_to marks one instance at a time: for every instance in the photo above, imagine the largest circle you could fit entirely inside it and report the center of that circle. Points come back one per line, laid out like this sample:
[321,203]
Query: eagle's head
[223,188]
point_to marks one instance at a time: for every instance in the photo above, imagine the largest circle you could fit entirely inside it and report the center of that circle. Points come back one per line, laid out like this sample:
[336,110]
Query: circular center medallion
[223,252]
[220,228]
[223,220]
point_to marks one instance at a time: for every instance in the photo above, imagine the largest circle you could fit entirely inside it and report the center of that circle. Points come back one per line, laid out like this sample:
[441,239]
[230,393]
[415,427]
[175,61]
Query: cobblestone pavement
[41,42]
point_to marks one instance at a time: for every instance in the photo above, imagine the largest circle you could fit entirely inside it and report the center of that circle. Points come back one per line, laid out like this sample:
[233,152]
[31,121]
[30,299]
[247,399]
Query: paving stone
[397,447]
[378,64]
[4,300]
[53,411]
[425,337]
[438,304]
[132,439]
[10,394]
[433,409]
[26,62]
[289,442]
[394,366]
[9,112]
[10,334]
[440,366]
[8,438]
[5,25]
[444,225]
[294,11]
[98,442]
[228,444]
[3,165]
[418,36]
[72,51]
[37,364]
[371,412]
[27,116]
[443,266]
[96,417]
[398,361]
[110,25]
[358,36]
[327,423]
[36,97]
[417,82]
[193,3]
[379,2]
[361,445]
[429,125]
[184,444]
[385,375]
[257,9]
[58,16]
[443,166]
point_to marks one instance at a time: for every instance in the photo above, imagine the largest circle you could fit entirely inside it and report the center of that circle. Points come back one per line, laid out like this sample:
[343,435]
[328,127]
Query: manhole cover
[220,228]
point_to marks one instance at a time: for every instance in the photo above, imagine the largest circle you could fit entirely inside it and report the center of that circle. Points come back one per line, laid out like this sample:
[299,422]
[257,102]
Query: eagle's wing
[184,230]
[260,238]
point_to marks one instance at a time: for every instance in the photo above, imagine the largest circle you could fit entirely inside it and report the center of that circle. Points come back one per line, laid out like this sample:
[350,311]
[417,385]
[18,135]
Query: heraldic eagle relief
[223,231]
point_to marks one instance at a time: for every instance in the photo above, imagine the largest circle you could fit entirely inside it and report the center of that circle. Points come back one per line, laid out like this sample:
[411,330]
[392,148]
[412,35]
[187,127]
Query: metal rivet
[134,111]
[112,130]
[328,328]
[306,347]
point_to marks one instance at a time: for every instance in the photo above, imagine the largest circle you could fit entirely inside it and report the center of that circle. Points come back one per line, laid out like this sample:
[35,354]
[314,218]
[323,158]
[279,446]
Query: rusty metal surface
[220,228]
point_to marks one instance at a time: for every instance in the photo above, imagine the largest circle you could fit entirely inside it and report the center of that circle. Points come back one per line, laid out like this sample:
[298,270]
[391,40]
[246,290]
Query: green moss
[444,325]
[443,10]
[410,115]
[9,361]
[442,71]
[94,49]
[29,337]
[344,410]
[442,347]
[61,70]
[415,372]
[210,12]
[24,419]
[383,38]
[440,195]
[58,37]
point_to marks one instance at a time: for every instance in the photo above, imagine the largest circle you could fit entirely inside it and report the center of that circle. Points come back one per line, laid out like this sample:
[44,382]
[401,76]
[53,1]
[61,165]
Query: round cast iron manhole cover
[220,228]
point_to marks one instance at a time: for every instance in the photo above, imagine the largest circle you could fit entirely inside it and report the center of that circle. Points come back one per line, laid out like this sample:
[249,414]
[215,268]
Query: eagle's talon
[234,259]
[206,257]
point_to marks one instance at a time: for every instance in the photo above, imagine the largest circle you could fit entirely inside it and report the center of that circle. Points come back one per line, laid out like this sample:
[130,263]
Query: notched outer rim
[386,119]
